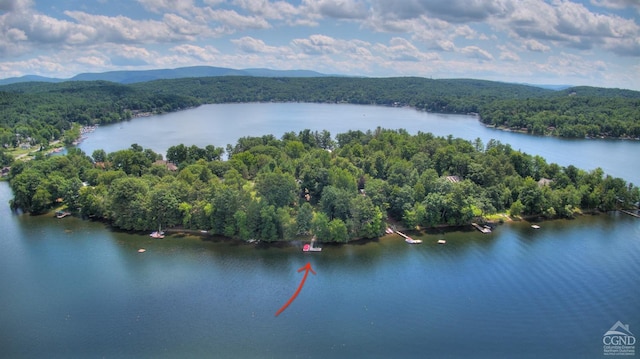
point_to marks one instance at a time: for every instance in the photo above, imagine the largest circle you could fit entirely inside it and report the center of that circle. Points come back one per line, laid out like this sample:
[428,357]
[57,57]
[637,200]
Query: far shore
[57,145]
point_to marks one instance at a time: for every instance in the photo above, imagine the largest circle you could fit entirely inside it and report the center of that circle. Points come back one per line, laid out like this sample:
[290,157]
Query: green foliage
[274,189]
[277,188]
[37,113]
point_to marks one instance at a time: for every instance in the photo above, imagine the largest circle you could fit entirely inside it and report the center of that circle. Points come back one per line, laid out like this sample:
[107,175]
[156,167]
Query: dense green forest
[337,188]
[37,113]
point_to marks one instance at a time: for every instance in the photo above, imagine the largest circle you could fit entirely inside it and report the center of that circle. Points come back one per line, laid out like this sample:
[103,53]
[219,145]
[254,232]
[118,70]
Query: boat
[157,234]
[441,241]
[62,214]
[535,226]
[309,247]
[141,250]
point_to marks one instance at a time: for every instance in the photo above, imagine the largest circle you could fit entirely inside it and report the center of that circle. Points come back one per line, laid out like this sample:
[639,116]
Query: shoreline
[54,146]
[597,138]
[205,235]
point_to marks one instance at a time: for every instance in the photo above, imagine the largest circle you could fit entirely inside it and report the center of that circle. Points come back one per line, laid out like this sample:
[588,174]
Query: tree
[335,202]
[164,207]
[129,203]
[532,197]
[277,188]
[320,226]
[92,201]
[177,154]
[99,155]
[268,224]
[338,231]
[516,209]
[366,218]
[304,219]
[186,210]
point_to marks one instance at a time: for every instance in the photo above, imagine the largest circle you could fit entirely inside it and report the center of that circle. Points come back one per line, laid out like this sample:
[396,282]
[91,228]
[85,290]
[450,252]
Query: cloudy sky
[578,42]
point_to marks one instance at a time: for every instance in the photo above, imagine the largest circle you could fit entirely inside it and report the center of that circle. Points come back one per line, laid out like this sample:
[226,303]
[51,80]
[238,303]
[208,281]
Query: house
[544,182]
[453,179]
[169,165]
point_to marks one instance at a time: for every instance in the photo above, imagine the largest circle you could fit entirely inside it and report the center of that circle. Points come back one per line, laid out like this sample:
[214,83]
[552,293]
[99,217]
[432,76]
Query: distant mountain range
[128,77]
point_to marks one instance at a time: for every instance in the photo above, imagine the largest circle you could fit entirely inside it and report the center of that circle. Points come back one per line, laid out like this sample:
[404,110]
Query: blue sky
[577,42]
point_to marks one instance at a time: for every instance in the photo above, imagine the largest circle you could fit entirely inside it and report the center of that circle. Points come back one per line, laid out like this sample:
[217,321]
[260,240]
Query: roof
[453,179]
[544,182]
[169,165]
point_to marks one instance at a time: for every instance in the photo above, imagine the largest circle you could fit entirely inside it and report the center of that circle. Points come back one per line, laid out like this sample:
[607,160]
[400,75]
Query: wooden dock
[409,239]
[482,229]
[630,213]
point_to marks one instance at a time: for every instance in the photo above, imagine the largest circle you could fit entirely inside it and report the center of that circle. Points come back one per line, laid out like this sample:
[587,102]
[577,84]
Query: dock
[630,213]
[311,247]
[62,214]
[409,239]
[482,229]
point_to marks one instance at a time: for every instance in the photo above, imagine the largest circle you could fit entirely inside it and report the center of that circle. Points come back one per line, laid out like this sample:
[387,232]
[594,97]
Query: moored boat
[309,247]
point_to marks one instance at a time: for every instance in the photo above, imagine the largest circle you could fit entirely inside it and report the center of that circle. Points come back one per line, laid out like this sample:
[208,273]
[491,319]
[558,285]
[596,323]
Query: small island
[340,188]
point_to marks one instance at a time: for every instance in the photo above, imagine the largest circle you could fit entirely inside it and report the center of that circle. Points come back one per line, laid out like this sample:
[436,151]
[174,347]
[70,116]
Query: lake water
[72,288]
[220,125]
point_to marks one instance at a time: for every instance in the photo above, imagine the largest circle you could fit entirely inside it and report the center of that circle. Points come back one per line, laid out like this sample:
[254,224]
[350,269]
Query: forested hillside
[307,183]
[38,113]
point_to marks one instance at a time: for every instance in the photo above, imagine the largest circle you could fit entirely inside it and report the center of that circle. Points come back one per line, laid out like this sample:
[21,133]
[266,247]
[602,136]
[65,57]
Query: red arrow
[307,268]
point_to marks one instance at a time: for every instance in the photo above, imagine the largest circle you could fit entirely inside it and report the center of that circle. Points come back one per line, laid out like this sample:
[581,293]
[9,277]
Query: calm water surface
[220,125]
[72,288]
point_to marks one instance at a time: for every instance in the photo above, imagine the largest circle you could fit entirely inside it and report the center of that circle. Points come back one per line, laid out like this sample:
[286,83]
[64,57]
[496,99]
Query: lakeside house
[169,165]
[544,182]
[453,179]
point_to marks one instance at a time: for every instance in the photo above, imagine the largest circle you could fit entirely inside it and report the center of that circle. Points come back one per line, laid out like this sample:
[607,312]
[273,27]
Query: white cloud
[446,45]
[617,4]
[534,45]
[577,38]
[15,5]
[100,28]
[252,45]
[270,10]
[569,23]
[206,54]
[93,61]
[317,44]
[569,65]
[337,9]
[16,35]
[400,49]
[507,55]
[182,7]
[232,21]
[455,11]
[476,53]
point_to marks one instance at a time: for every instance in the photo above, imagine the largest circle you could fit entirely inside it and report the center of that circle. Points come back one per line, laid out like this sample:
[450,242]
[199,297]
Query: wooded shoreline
[311,183]
[38,113]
